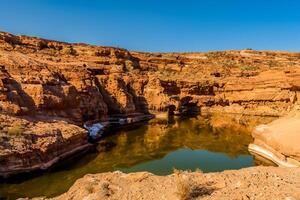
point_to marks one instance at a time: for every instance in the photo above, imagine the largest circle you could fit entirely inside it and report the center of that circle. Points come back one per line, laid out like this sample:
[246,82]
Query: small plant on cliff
[42,45]
[183,190]
[15,130]
[273,64]
[189,189]
[69,51]
[248,68]
[89,188]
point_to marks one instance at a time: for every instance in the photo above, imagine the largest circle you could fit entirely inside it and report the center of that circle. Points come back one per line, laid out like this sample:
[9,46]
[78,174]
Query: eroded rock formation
[279,140]
[83,82]
[32,144]
[77,83]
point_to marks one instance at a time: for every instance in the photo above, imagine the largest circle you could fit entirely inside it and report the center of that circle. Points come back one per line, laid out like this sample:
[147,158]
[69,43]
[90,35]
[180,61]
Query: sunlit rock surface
[279,140]
[80,83]
[84,82]
[30,144]
[250,183]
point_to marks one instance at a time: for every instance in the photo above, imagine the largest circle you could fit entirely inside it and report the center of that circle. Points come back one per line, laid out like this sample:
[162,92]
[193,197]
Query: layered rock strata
[279,141]
[84,84]
[27,145]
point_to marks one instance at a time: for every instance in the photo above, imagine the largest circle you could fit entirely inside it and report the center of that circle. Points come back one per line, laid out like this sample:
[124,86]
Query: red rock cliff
[48,86]
[83,82]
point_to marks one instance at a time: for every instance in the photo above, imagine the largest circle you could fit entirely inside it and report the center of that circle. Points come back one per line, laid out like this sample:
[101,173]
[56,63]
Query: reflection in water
[210,144]
[186,159]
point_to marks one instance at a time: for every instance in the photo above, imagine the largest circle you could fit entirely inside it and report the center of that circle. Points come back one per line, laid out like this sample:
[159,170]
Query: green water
[157,147]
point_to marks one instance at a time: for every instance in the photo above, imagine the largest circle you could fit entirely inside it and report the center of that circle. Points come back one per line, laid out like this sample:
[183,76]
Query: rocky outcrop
[248,82]
[83,82]
[250,183]
[279,141]
[35,144]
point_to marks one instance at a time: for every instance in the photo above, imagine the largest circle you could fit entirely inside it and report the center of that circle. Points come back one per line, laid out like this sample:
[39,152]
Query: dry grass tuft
[188,189]
[69,51]
[15,130]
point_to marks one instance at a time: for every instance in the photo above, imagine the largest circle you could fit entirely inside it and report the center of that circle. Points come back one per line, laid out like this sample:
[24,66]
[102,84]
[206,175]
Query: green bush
[248,68]
[15,130]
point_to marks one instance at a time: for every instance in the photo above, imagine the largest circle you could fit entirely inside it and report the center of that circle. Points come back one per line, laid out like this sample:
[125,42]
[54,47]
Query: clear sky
[159,25]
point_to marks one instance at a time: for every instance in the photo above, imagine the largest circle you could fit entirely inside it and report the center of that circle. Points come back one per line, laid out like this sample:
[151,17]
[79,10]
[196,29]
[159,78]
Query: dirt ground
[249,183]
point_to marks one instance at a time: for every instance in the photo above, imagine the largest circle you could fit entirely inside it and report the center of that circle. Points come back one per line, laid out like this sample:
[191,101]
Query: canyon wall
[83,82]
[49,89]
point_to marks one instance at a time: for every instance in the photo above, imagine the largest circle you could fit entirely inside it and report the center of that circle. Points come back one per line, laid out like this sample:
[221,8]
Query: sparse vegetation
[15,130]
[183,189]
[198,170]
[52,52]
[42,45]
[168,73]
[104,52]
[189,189]
[89,188]
[69,51]
[273,64]
[248,68]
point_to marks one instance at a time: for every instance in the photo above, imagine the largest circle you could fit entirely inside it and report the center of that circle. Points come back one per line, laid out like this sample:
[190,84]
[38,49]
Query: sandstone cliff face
[27,144]
[76,83]
[83,82]
[279,140]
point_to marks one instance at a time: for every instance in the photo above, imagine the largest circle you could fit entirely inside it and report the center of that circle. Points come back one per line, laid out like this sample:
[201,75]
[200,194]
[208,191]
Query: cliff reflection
[211,138]
[159,137]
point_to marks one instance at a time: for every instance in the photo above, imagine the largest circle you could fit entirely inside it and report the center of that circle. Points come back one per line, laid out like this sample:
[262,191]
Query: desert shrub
[198,170]
[189,189]
[104,52]
[183,190]
[273,64]
[12,40]
[55,47]
[15,130]
[52,52]
[248,68]
[214,55]
[42,45]
[89,188]
[69,51]
[229,64]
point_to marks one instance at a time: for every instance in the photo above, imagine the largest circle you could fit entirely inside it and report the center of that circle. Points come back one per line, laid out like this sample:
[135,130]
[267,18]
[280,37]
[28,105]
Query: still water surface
[158,147]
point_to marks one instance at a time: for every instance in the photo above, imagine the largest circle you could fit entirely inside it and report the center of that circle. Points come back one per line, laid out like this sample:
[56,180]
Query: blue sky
[159,25]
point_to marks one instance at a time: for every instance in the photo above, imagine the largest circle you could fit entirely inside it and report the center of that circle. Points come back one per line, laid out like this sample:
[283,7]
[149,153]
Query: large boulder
[279,140]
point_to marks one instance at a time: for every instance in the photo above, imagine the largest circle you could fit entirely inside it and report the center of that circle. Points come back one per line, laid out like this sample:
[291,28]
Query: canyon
[50,90]
[81,82]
